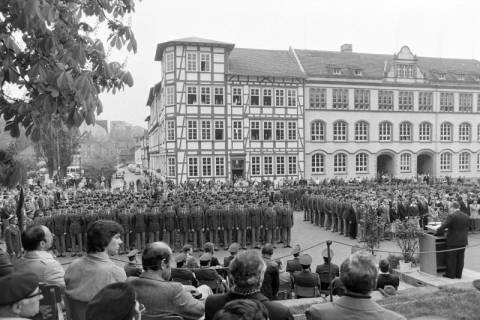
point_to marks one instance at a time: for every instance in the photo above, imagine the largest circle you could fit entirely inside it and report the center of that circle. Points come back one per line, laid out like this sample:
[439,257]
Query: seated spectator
[122,296]
[182,258]
[338,289]
[6,266]
[131,267]
[160,296]
[87,275]
[247,271]
[294,264]
[271,279]
[243,309]
[326,274]
[210,248]
[385,277]
[286,283]
[19,296]
[36,241]
[233,249]
[306,283]
[358,274]
[208,276]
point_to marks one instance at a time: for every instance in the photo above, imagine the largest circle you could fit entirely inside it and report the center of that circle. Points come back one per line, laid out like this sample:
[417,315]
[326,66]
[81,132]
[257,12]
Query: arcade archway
[425,164]
[385,165]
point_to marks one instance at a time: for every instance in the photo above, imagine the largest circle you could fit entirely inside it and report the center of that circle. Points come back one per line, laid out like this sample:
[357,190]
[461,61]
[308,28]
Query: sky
[447,29]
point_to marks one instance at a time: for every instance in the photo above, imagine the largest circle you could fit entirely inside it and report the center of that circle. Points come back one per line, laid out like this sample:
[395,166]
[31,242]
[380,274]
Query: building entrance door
[385,165]
[425,164]
[238,169]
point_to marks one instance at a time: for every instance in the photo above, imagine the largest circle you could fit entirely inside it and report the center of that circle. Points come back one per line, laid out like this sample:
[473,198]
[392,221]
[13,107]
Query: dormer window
[357,72]
[406,71]
[442,76]
[461,76]
[337,71]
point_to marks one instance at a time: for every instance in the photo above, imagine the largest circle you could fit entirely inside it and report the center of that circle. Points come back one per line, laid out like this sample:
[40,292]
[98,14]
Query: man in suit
[247,271]
[385,278]
[328,270]
[359,275]
[457,224]
[294,264]
[156,293]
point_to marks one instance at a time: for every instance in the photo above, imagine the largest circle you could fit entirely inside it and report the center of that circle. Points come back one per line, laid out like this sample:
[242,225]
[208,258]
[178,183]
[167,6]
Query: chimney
[346,47]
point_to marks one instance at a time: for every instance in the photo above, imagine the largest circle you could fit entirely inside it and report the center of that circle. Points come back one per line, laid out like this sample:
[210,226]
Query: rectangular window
[237,130]
[219,130]
[279,97]
[406,71]
[446,161]
[205,95]
[361,131]
[169,62]
[218,96]
[292,130]
[318,163]
[206,130]
[171,172]
[255,166]
[361,163]
[237,96]
[192,61]
[170,95]
[425,101]
[362,99]
[206,167]
[464,161]
[191,95]
[192,130]
[254,97]
[446,102]
[318,98]
[193,167]
[405,160]
[219,166]
[205,62]
[280,165]
[385,100]
[268,165]
[340,98]
[280,131]
[465,102]
[254,130]
[171,130]
[478,102]
[340,163]
[405,101]
[291,97]
[267,130]
[292,165]
[267,97]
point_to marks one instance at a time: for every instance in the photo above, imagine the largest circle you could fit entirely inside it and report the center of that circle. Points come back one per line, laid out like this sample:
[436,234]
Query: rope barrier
[308,248]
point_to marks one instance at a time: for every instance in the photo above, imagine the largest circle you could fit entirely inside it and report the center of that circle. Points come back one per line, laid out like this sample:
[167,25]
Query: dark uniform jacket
[271,280]
[457,224]
[323,272]
[387,279]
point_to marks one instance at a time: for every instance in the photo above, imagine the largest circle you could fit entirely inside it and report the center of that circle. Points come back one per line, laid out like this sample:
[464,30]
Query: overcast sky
[449,29]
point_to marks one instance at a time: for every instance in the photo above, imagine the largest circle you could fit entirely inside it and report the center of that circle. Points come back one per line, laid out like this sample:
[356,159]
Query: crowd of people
[40,224]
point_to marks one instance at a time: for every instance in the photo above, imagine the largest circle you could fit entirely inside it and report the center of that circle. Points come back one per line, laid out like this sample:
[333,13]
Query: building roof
[319,64]
[191,41]
[256,62]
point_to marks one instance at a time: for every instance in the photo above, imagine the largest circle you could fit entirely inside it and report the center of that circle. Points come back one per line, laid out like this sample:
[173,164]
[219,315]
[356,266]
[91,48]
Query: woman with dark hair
[86,276]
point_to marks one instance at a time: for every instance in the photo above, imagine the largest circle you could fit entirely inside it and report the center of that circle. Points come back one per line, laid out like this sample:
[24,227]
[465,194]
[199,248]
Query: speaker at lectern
[432,262]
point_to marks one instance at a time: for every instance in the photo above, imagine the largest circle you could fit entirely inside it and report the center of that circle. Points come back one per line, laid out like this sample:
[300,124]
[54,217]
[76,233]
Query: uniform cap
[132,253]
[17,286]
[206,257]
[296,249]
[325,253]
[305,260]
[233,248]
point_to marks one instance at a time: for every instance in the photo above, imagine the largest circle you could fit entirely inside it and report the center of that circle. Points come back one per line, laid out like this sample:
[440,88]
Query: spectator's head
[104,236]
[187,249]
[455,205]
[233,248]
[247,270]
[267,250]
[326,257]
[242,309]
[384,265]
[296,250]
[132,255]
[157,257]
[359,273]
[305,261]
[205,259]
[208,247]
[37,238]
[19,295]
[122,296]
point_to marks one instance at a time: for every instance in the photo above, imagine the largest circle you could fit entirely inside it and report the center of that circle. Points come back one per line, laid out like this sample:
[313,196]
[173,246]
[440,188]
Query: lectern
[432,262]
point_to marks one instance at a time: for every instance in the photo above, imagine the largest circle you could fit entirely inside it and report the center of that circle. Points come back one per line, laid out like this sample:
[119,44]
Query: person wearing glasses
[122,296]
[19,296]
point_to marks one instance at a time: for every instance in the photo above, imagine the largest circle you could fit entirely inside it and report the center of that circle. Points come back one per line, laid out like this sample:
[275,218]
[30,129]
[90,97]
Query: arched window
[385,131]
[405,162]
[361,163]
[425,131]
[464,161]
[464,132]
[318,163]
[340,131]
[340,163]
[317,131]
[446,161]
[405,131]
[361,131]
[446,129]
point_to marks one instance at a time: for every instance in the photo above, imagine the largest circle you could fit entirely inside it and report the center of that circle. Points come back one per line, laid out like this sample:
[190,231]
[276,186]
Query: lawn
[449,303]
